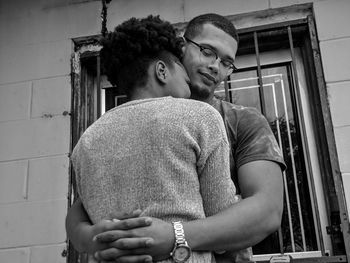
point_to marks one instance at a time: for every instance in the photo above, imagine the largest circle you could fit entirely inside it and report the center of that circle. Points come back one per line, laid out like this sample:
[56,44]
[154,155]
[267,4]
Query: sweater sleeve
[216,186]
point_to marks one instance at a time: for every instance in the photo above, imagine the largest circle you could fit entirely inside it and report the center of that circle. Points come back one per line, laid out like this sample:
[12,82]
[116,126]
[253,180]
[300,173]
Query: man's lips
[209,77]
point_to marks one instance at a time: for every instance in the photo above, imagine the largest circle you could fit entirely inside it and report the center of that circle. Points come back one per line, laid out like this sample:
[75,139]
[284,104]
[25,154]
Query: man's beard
[199,93]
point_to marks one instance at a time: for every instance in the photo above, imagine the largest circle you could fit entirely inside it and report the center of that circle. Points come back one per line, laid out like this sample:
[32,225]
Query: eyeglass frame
[201,48]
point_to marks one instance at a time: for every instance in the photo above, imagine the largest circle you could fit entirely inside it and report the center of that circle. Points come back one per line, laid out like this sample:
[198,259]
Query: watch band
[181,251]
[179,233]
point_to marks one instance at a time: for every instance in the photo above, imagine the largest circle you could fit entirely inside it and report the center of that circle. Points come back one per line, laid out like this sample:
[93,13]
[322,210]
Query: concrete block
[28,62]
[48,178]
[16,255]
[15,101]
[51,96]
[13,178]
[26,23]
[34,138]
[346,186]
[197,7]
[30,224]
[119,11]
[342,136]
[338,95]
[332,19]
[336,59]
[52,254]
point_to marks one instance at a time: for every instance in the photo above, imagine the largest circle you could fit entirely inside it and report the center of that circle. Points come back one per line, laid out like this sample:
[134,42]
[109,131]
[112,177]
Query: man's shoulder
[234,111]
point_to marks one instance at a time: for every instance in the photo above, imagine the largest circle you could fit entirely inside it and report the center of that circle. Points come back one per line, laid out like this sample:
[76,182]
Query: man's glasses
[226,66]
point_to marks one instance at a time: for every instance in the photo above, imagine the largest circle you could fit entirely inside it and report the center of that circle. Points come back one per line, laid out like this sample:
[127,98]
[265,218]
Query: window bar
[279,137]
[227,98]
[260,82]
[295,78]
[85,101]
[293,167]
[98,79]
[291,152]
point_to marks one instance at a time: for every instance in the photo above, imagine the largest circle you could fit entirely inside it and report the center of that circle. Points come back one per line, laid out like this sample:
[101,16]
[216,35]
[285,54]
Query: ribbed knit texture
[169,157]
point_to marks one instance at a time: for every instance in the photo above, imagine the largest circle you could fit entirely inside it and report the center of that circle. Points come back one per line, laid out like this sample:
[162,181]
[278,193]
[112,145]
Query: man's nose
[215,64]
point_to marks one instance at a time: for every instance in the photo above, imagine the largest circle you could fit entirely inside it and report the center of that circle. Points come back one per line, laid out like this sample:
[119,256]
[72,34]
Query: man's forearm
[240,226]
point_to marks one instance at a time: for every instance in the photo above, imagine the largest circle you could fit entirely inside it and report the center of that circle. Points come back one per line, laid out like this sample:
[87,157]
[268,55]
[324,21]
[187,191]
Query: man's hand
[81,232]
[156,240]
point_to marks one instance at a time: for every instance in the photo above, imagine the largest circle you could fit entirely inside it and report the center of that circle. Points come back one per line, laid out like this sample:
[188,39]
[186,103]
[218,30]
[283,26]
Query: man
[256,162]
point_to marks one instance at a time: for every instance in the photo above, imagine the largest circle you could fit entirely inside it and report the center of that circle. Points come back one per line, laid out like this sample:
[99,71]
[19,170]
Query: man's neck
[209,99]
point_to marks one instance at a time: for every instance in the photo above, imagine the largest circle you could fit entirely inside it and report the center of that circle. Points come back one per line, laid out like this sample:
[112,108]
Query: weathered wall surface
[35,95]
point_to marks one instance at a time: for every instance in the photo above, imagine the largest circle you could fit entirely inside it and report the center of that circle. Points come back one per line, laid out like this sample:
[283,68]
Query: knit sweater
[169,157]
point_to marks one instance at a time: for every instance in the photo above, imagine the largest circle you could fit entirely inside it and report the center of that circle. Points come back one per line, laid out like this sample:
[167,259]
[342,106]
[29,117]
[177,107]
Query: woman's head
[129,50]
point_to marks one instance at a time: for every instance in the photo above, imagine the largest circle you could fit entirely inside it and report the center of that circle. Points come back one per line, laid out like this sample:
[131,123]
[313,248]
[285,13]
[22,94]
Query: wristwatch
[181,251]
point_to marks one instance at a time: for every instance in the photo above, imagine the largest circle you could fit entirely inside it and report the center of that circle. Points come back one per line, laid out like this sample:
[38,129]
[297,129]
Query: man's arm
[249,221]
[240,226]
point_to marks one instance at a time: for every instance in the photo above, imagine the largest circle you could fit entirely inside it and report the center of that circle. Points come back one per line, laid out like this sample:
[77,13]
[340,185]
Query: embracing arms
[242,225]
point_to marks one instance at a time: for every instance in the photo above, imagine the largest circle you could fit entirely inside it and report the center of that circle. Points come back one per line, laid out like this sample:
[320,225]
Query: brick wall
[35,50]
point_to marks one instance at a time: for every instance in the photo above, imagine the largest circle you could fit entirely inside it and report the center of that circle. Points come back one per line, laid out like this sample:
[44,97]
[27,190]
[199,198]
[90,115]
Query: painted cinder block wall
[35,99]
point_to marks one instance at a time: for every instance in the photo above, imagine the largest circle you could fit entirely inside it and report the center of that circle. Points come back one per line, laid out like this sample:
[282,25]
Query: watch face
[182,253]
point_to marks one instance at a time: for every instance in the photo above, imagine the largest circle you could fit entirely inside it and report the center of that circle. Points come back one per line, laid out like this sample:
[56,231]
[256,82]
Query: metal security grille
[274,89]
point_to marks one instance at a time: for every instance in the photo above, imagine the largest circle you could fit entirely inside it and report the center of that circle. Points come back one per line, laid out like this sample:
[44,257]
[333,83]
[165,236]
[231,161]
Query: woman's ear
[162,72]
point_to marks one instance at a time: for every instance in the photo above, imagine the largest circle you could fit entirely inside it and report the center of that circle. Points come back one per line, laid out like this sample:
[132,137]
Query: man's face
[205,76]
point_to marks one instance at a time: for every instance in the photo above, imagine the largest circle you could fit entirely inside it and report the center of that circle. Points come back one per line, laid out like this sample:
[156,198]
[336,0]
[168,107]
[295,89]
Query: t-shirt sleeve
[255,140]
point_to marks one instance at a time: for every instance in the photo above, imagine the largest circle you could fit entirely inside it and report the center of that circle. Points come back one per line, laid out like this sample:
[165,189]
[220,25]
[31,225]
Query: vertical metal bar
[260,82]
[227,98]
[295,77]
[291,152]
[98,79]
[279,136]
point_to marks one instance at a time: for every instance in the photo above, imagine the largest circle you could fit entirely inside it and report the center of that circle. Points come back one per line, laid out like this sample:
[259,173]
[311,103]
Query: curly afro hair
[128,51]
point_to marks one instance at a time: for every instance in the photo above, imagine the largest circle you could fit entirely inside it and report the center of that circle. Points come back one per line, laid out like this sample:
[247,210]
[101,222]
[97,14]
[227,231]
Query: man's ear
[162,72]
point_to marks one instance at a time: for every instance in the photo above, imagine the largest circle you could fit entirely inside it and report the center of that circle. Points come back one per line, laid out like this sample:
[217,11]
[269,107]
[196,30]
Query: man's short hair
[195,26]
[128,51]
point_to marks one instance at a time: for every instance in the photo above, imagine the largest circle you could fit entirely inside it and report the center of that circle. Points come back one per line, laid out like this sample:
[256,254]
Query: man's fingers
[125,215]
[110,254]
[125,224]
[117,255]
[135,259]
[133,243]
[110,236]
[130,223]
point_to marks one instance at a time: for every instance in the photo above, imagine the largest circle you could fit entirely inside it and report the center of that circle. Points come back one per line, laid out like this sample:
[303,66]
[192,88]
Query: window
[280,74]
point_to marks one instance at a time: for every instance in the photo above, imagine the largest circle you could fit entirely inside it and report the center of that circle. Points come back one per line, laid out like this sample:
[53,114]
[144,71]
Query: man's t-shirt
[250,139]
[249,135]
